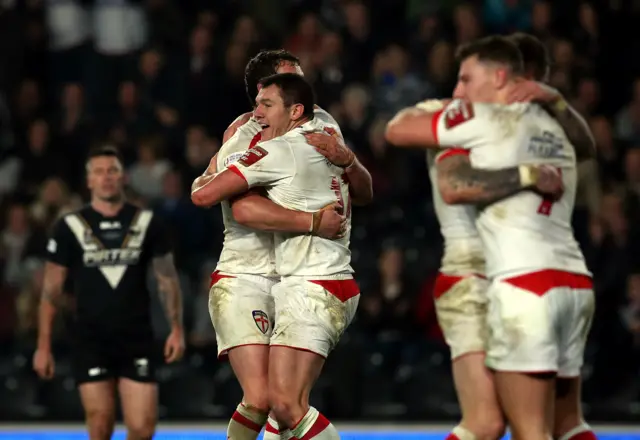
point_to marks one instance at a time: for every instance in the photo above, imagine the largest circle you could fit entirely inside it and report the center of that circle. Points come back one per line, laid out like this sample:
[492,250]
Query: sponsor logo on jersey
[262,320]
[232,158]
[250,157]
[110,225]
[111,262]
[458,113]
[546,145]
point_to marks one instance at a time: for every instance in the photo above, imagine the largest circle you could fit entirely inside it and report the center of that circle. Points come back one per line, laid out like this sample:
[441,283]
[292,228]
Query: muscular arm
[257,212]
[412,128]
[360,184]
[209,190]
[54,278]
[575,127]
[460,183]
[233,127]
[169,289]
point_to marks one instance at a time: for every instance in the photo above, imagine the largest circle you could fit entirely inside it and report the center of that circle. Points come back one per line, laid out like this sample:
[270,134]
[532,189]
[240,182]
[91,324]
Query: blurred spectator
[147,173]
[13,241]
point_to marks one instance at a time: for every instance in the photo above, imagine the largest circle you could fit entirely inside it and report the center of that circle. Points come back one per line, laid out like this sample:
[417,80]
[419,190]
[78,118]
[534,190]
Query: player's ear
[296,111]
[501,77]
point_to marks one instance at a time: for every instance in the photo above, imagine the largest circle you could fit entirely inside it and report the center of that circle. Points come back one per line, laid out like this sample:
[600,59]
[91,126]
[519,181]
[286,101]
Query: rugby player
[317,297]
[245,273]
[104,249]
[488,73]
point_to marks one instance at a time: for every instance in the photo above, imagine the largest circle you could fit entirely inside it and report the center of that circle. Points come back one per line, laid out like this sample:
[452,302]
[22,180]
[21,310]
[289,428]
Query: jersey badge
[232,158]
[458,114]
[252,156]
[262,321]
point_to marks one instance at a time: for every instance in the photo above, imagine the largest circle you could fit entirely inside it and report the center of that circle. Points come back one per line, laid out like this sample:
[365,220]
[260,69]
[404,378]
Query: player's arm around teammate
[332,146]
[458,181]
[261,213]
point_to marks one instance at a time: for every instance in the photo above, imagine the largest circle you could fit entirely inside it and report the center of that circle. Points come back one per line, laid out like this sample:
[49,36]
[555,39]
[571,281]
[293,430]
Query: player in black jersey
[105,249]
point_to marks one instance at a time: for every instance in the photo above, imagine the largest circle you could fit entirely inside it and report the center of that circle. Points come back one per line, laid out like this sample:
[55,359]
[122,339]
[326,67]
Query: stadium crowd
[162,79]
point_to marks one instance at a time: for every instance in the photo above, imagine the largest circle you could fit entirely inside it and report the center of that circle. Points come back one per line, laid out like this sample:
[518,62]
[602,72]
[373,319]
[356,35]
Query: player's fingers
[330,130]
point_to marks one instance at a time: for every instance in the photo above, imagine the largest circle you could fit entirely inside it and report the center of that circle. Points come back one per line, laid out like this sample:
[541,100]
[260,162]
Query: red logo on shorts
[262,320]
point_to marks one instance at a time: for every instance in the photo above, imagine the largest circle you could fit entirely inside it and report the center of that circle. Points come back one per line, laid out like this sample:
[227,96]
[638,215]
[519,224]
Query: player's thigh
[575,315]
[461,306]
[98,401]
[313,315]
[250,364]
[292,374]
[241,310]
[528,403]
[522,331]
[139,401]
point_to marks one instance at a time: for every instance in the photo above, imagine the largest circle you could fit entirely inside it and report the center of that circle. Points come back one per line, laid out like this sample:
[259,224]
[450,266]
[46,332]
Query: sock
[460,433]
[271,430]
[580,432]
[314,426]
[246,423]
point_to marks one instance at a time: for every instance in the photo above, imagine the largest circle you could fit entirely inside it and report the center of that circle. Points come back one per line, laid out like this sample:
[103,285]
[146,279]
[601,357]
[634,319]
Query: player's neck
[107,208]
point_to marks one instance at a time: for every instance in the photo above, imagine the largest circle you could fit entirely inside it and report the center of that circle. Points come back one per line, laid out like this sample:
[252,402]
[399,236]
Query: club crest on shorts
[262,320]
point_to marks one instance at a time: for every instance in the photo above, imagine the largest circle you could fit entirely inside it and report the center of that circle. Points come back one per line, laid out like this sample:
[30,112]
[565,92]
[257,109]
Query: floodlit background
[162,79]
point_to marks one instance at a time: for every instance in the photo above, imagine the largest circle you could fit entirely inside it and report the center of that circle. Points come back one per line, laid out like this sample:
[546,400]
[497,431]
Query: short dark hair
[535,56]
[105,151]
[294,89]
[496,49]
[265,64]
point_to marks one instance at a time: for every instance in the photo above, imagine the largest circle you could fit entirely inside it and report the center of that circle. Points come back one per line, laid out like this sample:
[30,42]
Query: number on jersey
[458,113]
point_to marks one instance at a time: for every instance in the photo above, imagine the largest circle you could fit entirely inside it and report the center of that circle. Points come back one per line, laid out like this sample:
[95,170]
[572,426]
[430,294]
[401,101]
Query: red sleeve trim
[434,125]
[456,151]
[234,169]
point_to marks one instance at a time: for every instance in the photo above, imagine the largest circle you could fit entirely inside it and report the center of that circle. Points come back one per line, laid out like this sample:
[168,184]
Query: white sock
[246,423]
[315,426]
[271,430]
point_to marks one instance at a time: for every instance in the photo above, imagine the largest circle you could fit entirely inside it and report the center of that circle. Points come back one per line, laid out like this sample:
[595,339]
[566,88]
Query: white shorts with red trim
[312,314]
[461,307]
[539,322]
[242,309]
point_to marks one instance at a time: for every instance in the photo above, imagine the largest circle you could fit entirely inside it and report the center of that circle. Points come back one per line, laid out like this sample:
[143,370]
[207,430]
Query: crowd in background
[162,79]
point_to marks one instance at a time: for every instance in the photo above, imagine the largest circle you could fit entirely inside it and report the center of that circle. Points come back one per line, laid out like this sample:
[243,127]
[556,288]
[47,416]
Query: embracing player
[317,296]
[241,304]
[538,275]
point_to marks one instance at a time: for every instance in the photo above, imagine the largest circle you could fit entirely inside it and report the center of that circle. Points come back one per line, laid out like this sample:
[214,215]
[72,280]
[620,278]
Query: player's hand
[549,182]
[331,146]
[174,346]
[330,224]
[44,364]
[528,91]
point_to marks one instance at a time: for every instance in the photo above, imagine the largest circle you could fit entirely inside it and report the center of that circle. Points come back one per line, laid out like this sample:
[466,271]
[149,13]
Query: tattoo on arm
[460,183]
[52,290]
[169,288]
[576,129]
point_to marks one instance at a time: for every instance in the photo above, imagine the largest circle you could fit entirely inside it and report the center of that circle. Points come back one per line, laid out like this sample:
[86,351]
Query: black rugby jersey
[107,260]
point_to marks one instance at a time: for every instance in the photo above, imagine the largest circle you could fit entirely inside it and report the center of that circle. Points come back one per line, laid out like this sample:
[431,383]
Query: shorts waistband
[249,276]
[338,276]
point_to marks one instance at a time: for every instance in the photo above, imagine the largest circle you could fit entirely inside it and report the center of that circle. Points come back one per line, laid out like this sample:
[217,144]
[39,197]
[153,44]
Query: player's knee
[100,424]
[141,430]
[486,427]
[285,406]
[257,400]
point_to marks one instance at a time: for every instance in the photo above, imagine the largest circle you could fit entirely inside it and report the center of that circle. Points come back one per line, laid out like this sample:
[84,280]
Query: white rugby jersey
[522,233]
[463,252]
[244,250]
[297,177]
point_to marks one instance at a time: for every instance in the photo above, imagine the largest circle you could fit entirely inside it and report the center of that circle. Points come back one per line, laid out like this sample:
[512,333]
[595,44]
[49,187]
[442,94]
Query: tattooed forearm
[575,127]
[460,183]
[169,288]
